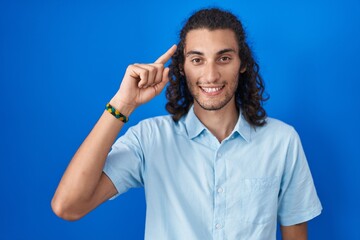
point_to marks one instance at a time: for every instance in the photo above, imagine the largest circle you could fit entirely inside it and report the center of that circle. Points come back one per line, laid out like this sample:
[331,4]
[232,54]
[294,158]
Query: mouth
[212,90]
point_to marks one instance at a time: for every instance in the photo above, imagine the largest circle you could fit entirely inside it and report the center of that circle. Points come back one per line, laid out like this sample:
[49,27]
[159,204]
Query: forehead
[205,40]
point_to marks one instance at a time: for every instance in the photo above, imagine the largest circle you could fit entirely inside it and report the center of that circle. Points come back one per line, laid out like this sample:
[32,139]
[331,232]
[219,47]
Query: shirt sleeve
[124,163]
[298,200]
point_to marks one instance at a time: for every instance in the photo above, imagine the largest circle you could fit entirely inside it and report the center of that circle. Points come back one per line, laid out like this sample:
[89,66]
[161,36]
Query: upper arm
[103,192]
[294,232]
[298,200]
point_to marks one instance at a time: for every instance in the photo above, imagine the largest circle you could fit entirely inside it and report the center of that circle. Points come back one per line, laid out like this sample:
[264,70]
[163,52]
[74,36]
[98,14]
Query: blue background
[61,61]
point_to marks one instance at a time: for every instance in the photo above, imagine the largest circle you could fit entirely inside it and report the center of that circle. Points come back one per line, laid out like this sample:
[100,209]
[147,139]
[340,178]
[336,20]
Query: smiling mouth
[211,89]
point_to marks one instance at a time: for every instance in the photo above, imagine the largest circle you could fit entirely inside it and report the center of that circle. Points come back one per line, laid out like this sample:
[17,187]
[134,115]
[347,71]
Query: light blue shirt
[198,188]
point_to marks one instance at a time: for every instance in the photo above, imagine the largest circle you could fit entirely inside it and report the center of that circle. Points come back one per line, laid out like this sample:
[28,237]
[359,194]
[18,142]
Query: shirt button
[220,190]
[219,154]
[218,226]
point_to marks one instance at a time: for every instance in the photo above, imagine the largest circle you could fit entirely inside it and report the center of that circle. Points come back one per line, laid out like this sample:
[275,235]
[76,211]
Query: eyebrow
[194,52]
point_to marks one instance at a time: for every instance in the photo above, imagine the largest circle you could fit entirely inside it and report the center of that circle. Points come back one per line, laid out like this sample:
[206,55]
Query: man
[217,168]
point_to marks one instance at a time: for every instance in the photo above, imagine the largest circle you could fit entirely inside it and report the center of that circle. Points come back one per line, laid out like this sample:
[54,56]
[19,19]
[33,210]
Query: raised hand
[142,82]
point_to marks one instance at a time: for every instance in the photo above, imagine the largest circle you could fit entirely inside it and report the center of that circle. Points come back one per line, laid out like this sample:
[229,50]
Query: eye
[196,61]
[224,59]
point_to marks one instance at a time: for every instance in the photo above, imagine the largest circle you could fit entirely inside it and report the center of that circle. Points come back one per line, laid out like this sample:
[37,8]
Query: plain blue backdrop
[61,61]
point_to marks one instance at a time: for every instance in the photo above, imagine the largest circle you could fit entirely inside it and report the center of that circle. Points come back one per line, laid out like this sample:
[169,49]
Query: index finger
[166,56]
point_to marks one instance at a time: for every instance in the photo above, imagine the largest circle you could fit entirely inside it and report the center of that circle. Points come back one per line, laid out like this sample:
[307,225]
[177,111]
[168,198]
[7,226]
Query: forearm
[82,176]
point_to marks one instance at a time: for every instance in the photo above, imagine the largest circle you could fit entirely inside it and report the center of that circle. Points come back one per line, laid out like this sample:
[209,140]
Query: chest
[202,165]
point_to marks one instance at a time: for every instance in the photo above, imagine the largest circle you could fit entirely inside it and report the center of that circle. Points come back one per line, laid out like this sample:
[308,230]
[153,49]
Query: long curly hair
[250,90]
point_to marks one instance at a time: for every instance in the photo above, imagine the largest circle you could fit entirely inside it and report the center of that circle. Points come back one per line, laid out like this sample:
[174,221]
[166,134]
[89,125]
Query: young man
[217,168]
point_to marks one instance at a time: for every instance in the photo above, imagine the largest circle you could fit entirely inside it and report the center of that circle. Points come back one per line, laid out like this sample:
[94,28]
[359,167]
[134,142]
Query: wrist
[122,106]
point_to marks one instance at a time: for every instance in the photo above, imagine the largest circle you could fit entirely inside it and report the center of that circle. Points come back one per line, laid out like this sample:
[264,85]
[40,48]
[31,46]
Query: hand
[142,82]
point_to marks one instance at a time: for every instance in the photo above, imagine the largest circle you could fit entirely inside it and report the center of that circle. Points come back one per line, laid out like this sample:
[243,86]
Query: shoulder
[154,125]
[276,125]
[151,133]
[156,122]
[276,130]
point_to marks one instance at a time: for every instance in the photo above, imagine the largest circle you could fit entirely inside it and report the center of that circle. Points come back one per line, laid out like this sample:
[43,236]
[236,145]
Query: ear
[242,69]
[181,70]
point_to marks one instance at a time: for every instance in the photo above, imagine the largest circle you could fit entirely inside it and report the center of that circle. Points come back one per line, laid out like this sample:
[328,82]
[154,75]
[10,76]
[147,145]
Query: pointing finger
[166,56]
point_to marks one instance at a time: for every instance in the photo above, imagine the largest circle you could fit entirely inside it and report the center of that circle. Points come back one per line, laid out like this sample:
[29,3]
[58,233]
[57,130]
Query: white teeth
[211,90]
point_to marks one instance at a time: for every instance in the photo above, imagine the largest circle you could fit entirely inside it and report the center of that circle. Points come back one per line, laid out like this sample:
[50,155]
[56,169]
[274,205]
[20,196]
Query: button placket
[219,194]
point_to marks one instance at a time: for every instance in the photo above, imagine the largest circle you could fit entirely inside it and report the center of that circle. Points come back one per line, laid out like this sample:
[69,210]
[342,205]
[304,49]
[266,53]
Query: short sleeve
[124,163]
[298,200]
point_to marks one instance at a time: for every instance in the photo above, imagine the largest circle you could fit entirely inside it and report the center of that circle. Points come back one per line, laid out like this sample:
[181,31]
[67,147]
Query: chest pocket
[257,200]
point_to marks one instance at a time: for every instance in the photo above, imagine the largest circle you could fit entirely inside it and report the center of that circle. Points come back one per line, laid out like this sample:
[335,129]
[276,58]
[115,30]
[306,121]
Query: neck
[219,122]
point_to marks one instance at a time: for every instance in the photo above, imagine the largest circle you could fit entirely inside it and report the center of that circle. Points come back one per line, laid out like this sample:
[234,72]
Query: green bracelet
[116,113]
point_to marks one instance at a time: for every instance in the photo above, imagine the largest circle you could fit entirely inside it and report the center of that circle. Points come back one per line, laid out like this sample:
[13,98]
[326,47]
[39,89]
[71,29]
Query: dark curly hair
[250,90]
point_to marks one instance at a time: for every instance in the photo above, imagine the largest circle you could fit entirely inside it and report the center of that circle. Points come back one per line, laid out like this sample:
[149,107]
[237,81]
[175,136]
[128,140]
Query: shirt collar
[243,128]
[194,126]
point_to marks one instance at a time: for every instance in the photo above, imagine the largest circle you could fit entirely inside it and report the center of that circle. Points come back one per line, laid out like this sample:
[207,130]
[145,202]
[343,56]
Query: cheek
[237,72]
[232,74]
[192,71]
[235,80]
[190,75]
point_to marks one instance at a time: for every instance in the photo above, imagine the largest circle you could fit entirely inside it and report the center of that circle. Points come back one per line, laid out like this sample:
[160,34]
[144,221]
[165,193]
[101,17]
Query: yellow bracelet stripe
[116,113]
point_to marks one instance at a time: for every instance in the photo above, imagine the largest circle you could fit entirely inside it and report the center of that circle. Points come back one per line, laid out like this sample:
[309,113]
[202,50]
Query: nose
[211,72]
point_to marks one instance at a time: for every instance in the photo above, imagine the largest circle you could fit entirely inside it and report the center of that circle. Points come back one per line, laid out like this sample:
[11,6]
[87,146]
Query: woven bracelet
[116,113]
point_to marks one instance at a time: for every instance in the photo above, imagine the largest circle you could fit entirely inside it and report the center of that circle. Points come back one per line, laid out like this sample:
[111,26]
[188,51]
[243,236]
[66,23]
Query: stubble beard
[211,106]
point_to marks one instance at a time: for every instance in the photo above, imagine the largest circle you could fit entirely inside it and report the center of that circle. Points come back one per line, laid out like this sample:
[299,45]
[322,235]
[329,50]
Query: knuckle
[129,67]
[152,69]
[132,67]
[159,66]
